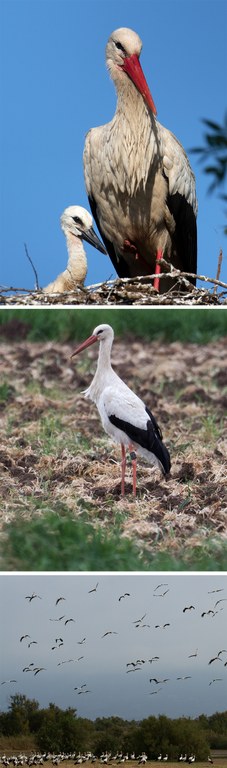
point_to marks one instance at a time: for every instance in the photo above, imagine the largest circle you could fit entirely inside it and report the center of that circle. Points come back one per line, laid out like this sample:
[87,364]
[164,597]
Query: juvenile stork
[124,416]
[76,224]
[140,186]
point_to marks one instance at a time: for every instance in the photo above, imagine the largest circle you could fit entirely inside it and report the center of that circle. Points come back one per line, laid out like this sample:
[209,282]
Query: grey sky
[103,668]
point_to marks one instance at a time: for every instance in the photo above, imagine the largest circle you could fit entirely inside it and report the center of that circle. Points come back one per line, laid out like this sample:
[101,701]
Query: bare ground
[53,450]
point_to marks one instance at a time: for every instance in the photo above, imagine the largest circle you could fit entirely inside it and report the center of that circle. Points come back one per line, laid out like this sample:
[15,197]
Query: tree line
[58,730]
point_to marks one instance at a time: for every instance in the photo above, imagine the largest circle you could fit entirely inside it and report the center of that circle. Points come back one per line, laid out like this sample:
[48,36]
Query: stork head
[101,333]
[122,58]
[76,221]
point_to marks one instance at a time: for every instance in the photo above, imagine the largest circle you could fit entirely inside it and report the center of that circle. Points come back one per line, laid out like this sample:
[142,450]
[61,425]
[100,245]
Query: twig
[34,269]
[218,268]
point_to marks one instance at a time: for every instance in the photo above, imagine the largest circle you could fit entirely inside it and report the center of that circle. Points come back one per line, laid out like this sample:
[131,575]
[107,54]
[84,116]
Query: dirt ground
[53,448]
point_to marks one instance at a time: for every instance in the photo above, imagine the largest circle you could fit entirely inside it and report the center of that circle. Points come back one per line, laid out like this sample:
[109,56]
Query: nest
[126,292]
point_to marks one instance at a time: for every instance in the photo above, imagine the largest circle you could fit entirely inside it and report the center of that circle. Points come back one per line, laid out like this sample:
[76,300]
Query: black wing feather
[185,236]
[149,438]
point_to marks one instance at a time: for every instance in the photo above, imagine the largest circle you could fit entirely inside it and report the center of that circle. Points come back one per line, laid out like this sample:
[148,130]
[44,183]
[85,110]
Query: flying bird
[39,670]
[157,682]
[134,669]
[215,658]
[110,632]
[59,600]
[139,620]
[162,594]
[80,642]
[139,182]
[8,681]
[188,608]
[152,693]
[158,626]
[159,586]
[193,655]
[68,620]
[222,600]
[124,416]
[23,637]
[216,680]
[126,594]
[94,588]
[32,597]
[186,677]
[154,658]
[76,224]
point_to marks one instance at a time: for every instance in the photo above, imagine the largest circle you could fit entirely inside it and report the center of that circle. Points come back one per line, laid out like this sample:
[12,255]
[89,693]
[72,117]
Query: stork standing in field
[76,224]
[138,178]
[124,416]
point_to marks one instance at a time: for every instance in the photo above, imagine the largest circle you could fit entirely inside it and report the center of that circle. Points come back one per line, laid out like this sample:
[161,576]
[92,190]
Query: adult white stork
[124,416]
[76,223]
[138,178]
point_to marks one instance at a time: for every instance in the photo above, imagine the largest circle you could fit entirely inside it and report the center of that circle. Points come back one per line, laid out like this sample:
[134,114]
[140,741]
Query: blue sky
[103,666]
[54,87]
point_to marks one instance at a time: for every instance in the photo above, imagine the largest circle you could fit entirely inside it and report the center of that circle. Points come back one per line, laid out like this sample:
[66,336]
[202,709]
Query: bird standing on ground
[76,224]
[124,416]
[139,182]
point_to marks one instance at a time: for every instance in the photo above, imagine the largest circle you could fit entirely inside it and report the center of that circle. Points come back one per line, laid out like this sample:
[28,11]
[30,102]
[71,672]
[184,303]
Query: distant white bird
[8,681]
[158,626]
[138,178]
[76,224]
[124,416]
[32,597]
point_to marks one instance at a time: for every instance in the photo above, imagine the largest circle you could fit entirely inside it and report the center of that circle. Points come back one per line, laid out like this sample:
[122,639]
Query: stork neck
[104,358]
[77,262]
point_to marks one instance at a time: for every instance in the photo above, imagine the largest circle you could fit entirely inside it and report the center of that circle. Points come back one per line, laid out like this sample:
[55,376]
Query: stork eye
[121,48]
[77,220]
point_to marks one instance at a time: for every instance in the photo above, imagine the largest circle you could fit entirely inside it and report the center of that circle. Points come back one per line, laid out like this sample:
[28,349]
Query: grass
[197,326]
[56,541]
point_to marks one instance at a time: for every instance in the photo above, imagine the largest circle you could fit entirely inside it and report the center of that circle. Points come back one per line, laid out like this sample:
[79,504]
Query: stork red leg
[159,255]
[133,457]
[123,466]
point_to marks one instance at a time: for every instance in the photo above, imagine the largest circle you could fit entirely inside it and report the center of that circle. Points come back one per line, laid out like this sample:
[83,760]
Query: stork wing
[118,261]
[127,412]
[181,199]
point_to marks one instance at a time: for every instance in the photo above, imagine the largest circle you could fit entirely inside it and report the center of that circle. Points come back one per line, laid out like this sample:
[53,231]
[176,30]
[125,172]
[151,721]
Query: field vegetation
[56,730]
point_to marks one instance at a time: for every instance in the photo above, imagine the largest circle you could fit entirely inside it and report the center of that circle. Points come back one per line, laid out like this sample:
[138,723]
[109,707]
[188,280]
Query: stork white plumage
[138,178]
[77,225]
[124,416]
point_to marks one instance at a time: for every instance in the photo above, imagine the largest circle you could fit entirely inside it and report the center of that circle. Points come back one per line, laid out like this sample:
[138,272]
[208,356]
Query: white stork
[76,224]
[138,178]
[124,416]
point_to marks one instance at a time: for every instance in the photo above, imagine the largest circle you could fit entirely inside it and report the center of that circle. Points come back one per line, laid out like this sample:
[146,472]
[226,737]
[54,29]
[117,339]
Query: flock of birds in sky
[156,682]
[139,183]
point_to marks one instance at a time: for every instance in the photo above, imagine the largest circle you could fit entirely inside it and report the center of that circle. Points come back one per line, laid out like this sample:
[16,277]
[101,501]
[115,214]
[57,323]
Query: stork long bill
[87,343]
[133,69]
[93,239]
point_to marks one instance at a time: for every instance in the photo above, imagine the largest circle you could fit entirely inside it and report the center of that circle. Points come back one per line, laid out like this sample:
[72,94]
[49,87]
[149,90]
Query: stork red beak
[134,70]
[87,343]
